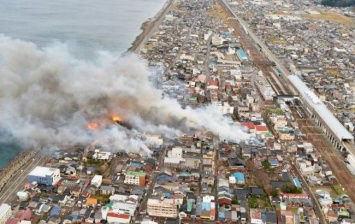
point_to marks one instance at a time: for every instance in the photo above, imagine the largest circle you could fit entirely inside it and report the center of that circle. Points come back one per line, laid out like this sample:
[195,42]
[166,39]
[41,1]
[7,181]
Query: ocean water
[85,26]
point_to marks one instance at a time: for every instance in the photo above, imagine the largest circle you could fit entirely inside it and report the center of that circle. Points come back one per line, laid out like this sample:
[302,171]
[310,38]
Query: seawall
[14,165]
[149,26]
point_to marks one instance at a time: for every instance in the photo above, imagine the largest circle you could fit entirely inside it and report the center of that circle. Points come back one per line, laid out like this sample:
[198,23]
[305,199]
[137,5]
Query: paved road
[154,178]
[317,207]
[20,177]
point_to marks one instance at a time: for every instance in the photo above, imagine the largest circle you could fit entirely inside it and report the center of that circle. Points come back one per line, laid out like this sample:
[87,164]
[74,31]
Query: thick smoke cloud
[47,96]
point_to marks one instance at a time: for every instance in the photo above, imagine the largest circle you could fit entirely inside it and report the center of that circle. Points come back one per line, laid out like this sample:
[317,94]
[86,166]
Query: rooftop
[42,171]
[136,173]
[3,209]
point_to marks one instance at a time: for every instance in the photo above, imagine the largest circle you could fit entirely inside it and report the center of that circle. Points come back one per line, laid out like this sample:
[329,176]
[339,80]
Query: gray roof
[331,121]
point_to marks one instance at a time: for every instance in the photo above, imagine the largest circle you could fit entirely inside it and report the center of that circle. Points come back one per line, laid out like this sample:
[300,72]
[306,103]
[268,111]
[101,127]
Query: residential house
[107,190]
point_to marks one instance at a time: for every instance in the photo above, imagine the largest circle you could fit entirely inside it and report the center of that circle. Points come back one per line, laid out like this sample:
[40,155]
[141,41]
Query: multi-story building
[5,213]
[162,208]
[135,178]
[44,175]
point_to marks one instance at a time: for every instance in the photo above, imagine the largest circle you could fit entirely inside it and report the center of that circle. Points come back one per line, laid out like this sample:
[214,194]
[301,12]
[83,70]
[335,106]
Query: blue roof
[274,162]
[221,215]
[254,150]
[55,210]
[166,177]
[167,194]
[263,218]
[135,164]
[297,182]
[206,206]
[239,176]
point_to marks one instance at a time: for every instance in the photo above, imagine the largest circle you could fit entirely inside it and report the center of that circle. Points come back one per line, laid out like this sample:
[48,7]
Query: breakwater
[8,172]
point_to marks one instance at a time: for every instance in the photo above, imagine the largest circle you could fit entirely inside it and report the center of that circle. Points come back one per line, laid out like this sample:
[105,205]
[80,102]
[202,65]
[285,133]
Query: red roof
[122,216]
[261,128]
[249,125]
[213,83]
[12,221]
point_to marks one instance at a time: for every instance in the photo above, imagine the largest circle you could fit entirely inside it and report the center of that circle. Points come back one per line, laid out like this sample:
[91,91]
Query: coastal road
[20,177]
[156,21]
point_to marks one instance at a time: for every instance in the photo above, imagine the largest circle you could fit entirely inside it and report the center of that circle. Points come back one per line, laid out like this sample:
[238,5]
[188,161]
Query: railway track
[255,54]
[332,158]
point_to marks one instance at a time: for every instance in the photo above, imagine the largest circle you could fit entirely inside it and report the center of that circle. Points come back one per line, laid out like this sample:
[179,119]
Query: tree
[235,201]
[266,164]
[253,202]
[290,188]
[274,192]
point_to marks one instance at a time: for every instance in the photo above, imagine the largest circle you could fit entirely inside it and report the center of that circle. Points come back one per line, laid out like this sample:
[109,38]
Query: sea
[85,26]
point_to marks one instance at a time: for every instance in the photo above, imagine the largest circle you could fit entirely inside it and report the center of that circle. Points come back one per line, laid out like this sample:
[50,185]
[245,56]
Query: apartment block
[162,208]
[135,178]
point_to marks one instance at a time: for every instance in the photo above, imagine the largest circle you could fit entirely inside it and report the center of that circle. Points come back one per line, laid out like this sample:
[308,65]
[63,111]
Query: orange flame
[116,118]
[93,125]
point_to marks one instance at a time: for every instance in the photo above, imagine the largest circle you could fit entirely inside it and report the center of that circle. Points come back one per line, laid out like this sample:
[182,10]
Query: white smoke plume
[47,96]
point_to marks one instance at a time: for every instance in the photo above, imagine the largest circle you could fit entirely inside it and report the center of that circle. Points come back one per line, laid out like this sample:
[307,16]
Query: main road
[20,177]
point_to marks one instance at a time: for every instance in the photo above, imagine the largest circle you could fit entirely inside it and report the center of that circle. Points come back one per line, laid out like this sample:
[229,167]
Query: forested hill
[338,3]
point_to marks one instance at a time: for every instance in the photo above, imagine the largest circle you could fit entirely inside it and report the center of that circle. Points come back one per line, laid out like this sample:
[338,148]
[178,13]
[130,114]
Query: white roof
[4,208]
[96,178]
[41,171]
[173,160]
[331,121]
[152,201]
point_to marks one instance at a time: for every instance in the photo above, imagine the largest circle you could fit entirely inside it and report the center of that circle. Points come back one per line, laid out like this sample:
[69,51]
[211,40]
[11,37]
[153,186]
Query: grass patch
[334,73]
[275,40]
[102,198]
[331,16]
[338,189]
[276,111]
[294,210]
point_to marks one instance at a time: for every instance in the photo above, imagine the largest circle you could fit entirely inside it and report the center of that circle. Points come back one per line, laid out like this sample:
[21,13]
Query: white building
[176,152]
[217,40]
[44,175]
[124,204]
[225,108]
[102,155]
[97,180]
[162,208]
[5,213]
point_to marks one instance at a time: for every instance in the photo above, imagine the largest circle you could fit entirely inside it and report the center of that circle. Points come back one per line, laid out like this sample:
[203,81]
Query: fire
[93,125]
[116,118]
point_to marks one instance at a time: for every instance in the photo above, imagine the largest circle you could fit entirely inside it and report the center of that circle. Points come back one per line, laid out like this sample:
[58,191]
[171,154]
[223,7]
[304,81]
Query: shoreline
[149,26]
[14,165]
